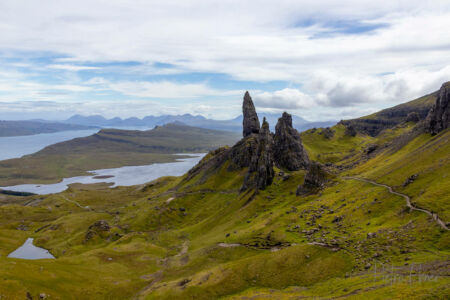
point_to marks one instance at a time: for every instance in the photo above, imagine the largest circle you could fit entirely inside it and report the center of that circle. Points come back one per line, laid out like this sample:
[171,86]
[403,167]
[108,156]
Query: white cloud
[72,67]
[166,89]
[246,40]
[283,99]
[331,89]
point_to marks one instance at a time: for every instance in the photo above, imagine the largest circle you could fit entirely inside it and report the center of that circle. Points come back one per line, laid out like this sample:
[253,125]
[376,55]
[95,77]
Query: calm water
[17,146]
[30,251]
[123,176]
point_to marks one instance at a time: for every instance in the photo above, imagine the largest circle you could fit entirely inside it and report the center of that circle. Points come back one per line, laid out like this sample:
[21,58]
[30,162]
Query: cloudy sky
[317,59]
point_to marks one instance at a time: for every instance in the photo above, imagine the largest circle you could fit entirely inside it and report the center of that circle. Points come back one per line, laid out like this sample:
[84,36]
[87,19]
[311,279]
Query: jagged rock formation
[251,121]
[260,172]
[288,148]
[258,151]
[438,117]
[315,179]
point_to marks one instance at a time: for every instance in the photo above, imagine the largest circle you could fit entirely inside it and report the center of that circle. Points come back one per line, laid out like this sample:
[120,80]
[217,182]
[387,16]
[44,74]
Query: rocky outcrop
[327,133]
[251,121]
[260,173]
[438,117]
[413,117]
[288,148]
[315,179]
[95,229]
[350,130]
[258,151]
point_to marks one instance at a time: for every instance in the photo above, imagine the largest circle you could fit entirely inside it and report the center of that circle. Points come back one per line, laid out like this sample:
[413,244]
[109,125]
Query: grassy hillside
[17,128]
[199,237]
[110,148]
[180,238]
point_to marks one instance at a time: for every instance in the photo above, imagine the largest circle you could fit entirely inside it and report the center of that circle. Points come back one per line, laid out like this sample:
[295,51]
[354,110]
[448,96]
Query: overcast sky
[317,59]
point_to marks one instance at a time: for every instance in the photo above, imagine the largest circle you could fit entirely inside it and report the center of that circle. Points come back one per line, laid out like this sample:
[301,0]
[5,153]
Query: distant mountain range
[234,125]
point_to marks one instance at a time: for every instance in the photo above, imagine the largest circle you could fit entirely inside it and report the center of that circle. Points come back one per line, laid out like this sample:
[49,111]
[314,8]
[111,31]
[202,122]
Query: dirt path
[406,197]
[76,203]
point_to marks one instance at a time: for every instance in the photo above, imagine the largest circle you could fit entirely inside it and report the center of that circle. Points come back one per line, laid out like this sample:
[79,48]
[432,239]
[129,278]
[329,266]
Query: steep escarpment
[375,123]
[438,117]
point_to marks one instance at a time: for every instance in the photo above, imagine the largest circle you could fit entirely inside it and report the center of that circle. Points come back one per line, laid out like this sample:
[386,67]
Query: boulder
[327,133]
[101,225]
[315,178]
[288,148]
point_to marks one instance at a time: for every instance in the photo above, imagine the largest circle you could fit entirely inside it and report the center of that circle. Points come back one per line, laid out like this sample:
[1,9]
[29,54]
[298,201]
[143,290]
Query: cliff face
[438,117]
[288,148]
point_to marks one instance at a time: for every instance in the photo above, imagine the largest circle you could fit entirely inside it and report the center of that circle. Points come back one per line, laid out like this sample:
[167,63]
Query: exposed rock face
[315,178]
[350,130]
[413,117]
[288,148]
[438,118]
[251,121]
[242,152]
[260,172]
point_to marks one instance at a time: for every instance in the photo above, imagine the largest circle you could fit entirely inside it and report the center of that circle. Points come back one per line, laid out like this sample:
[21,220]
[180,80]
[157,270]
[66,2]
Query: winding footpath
[76,203]
[434,216]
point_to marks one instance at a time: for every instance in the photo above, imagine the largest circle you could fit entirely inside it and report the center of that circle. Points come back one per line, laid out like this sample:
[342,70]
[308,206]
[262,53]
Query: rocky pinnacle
[288,148]
[260,173]
[251,121]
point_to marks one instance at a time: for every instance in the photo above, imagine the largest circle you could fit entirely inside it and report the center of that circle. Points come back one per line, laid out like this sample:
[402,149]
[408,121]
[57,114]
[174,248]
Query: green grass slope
[199,237]
[184,238]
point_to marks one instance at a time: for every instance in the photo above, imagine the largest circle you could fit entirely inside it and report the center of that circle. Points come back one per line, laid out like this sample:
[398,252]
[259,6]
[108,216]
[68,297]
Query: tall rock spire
[288,148]
[438,118]
[260,173]
[251,121]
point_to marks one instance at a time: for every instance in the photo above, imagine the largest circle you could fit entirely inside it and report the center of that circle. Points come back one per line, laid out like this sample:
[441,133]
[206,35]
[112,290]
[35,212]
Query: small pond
[30,251]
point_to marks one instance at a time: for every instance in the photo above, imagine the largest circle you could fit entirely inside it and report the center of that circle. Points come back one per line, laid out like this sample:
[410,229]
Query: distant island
[20,128]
